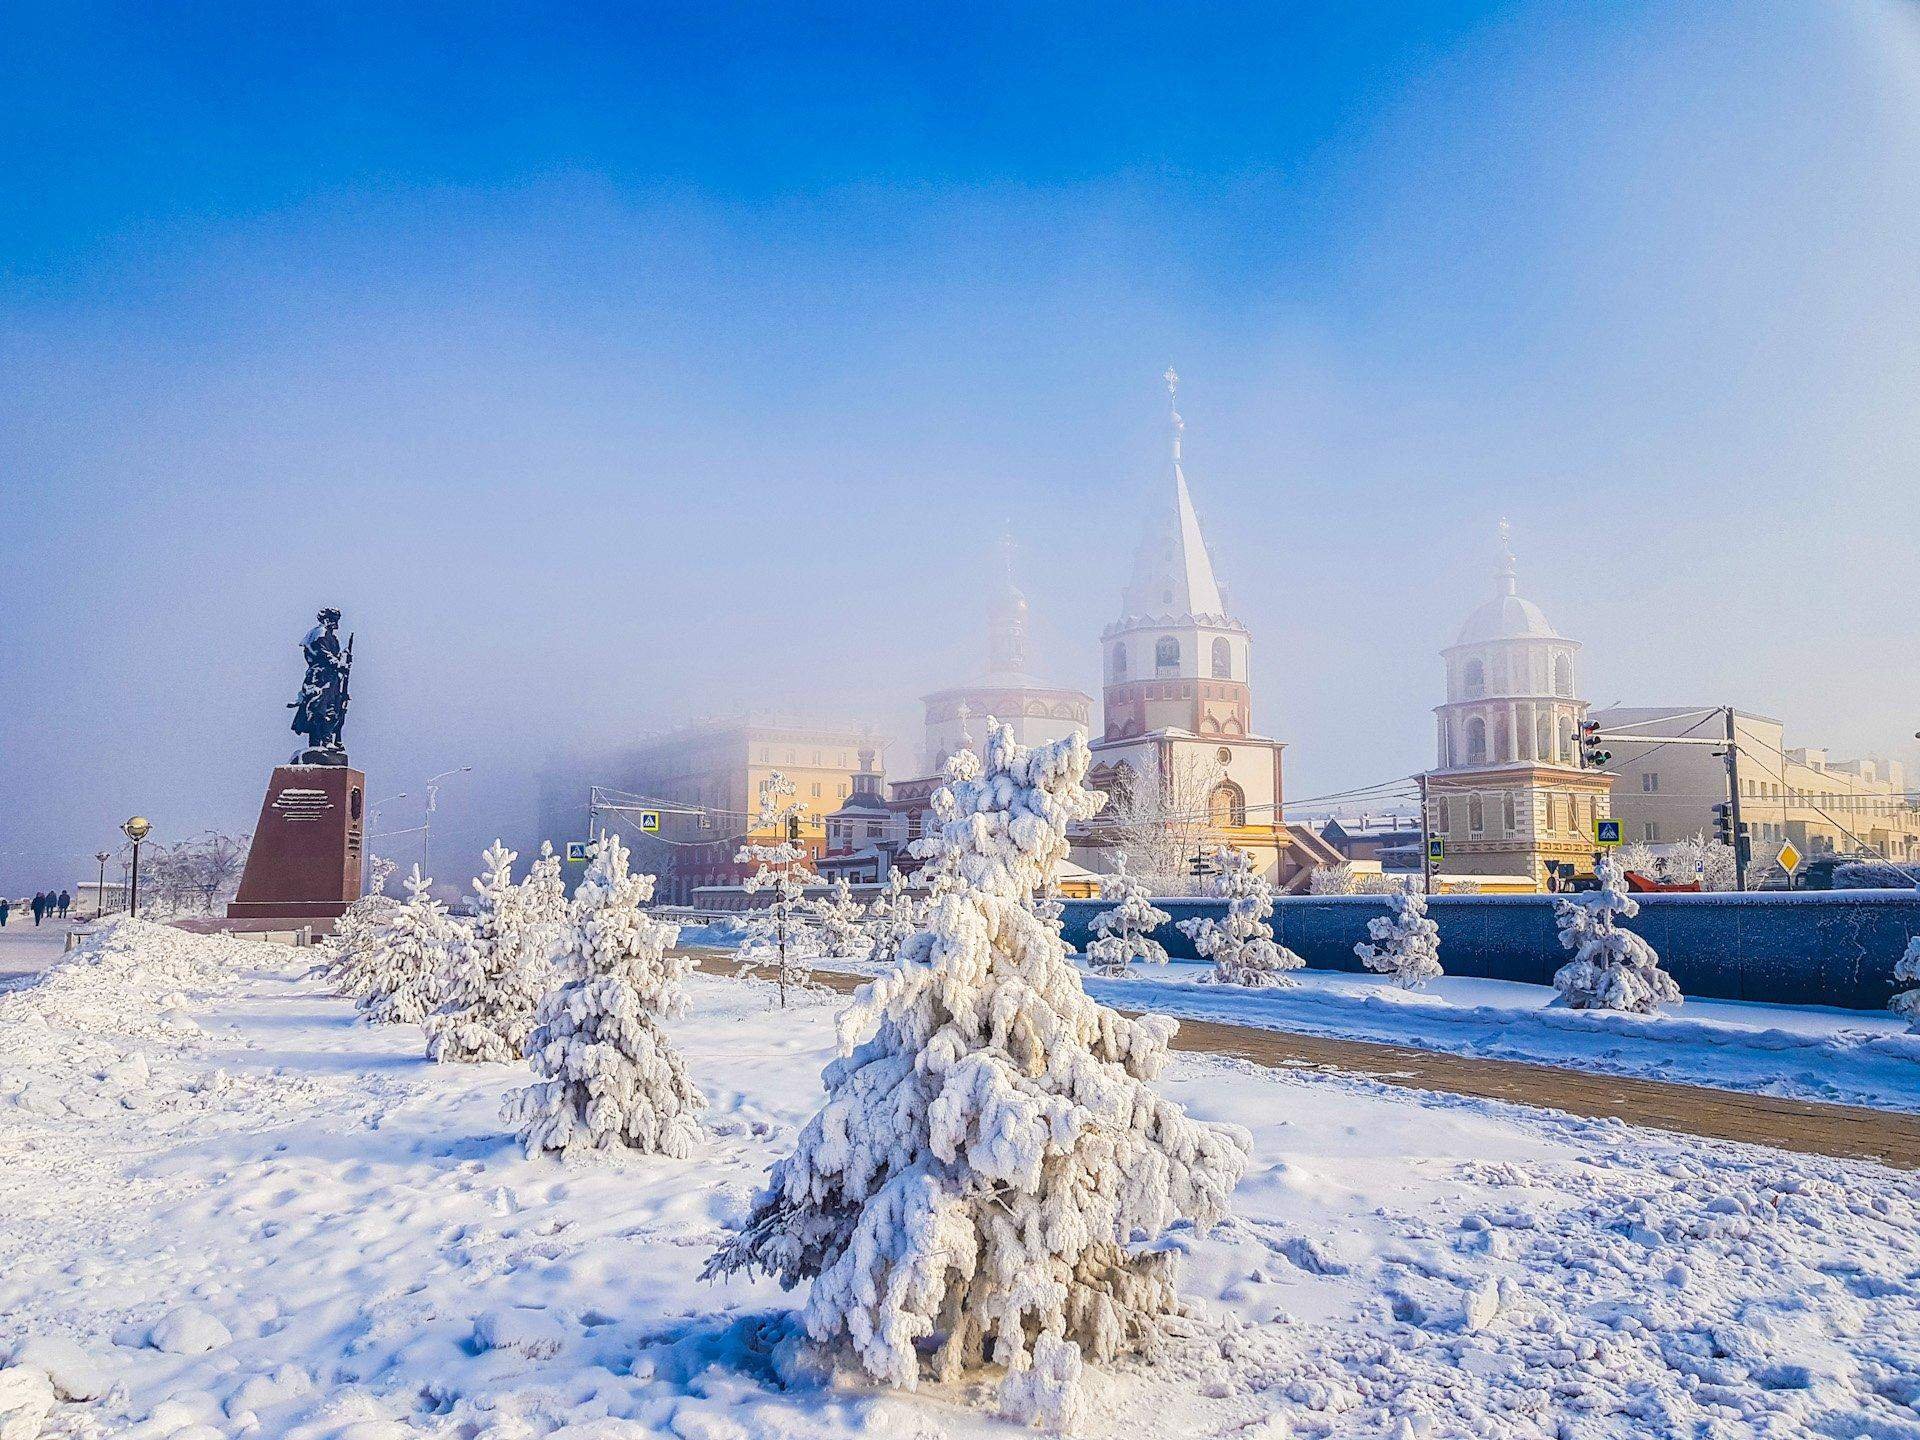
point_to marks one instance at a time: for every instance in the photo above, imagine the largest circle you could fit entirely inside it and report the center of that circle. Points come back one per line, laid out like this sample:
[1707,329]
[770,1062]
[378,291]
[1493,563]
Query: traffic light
[1591,755]
[1723,823]
[793,829]
[1745,847]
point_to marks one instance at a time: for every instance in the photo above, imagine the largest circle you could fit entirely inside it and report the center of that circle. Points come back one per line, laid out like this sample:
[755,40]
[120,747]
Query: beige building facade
[1823,804]
[1509,797]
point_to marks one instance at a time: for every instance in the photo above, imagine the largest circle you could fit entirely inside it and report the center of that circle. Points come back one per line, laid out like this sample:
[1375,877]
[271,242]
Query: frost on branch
[836,921]
[407,960]
[487,1008]
[1241,946]
[345,955]
[892,919]
[1907,1002]
[778,937]
[609,1076]
[1403,944]
[1612,968]
[991,1168]
[1124,934]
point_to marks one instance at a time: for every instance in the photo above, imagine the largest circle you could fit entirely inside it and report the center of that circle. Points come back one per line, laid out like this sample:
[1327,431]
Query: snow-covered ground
[231,1209]
[1806,1052]
[26,950]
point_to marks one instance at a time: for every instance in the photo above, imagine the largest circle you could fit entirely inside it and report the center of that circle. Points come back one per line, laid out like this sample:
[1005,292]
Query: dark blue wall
[1833,947]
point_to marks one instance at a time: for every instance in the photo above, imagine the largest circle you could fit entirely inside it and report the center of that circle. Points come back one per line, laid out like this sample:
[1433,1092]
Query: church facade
[1508,796]
[1178,738]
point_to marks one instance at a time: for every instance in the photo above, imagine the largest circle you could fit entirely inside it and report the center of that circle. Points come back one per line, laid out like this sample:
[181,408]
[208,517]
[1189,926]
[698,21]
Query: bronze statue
[321,711]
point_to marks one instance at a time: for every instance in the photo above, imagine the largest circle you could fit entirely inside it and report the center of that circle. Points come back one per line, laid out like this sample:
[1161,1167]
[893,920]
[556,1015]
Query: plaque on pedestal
[306,859]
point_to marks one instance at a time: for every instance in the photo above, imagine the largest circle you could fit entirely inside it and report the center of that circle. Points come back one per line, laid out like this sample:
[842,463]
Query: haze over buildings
[602,392]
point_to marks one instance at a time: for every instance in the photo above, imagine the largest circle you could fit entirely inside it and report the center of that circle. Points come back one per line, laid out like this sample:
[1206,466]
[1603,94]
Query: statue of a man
[321,711]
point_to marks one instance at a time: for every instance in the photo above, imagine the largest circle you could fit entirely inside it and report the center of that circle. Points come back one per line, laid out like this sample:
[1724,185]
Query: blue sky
[632,365]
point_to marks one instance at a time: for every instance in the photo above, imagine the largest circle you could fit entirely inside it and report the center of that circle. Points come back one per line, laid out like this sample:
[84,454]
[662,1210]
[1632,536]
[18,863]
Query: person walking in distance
[66,899]
[39,905]
[6,906]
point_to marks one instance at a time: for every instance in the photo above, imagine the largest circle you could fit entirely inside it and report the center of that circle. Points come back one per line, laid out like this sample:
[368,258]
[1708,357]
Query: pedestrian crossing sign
[1436,848]
[578,851]
[650,821]
[1606,832]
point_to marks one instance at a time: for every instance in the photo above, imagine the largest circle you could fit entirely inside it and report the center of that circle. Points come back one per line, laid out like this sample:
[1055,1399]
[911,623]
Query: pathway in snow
[26,950]
[1808,1126]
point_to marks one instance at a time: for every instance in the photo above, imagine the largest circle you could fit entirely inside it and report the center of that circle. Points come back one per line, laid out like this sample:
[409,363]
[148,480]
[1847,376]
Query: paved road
[26,950]
[1810,1127]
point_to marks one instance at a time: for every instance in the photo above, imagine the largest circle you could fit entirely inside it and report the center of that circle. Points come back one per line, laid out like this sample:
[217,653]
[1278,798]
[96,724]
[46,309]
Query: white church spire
[1172,571]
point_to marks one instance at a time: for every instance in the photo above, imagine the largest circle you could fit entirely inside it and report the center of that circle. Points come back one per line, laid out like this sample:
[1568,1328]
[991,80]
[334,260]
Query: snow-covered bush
[344,954]
[1907,1002]
[991,1174]
[1403,944]
[1241,946]
[1612,968]
[609,1077]
[1124,934]
[778,937]
[544,921]
[487,1007]
[1333,880]
[1637,856]
[892,919]
[406,961]
[836,920]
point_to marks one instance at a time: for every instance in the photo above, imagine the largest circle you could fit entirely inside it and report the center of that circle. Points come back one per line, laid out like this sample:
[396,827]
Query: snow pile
[1124,934]
[1241,946]
[1403,943]
[610,1077]
[1612,968]
[403,974]
[487,1007]
[1907,1002]
[991,1175]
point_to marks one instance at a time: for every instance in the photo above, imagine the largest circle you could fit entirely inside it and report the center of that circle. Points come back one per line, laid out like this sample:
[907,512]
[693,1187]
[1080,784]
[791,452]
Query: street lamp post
[426,820]
[100,895]
[135,830]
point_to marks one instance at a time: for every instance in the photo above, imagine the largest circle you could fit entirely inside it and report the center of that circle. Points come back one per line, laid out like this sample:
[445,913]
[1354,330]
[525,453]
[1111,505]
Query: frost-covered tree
[836,918]
[609,1078]
[1612,968]
[778,937]
[1124,933]
[1699,858]
[487,1006]
[544,920]
[892,919]
[1907,1002]
[406,962]
[1161,816]
[1638,856]
[1241,946]
[344,954]
[1403,944]
[1333,880]
[991,1175]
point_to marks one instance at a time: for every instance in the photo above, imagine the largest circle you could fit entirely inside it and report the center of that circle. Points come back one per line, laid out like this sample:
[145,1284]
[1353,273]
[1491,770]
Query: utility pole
[1733,804]
[1426,841]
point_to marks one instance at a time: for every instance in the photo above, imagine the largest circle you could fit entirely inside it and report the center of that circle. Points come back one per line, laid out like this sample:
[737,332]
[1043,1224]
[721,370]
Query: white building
[1508,795]
[1178,709]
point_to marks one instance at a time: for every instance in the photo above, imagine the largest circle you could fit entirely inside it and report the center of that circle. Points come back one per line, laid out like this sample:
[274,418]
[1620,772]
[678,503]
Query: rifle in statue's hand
[346,671]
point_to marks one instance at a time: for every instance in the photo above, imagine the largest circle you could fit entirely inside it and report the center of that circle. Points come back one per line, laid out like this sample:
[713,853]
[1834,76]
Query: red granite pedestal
[305,863]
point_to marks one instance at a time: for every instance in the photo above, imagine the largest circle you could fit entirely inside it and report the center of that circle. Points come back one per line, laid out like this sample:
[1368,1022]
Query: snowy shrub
[1612,968]
[1241,946]
[778,938]
[544,921]
[1907,1002]
[1637,856]
[1124,934]
[406,961]
[1333,880]
[488,1004]
[1403,944]
[991,1173]
[343,954]
[609,1077]
[836,920]
[892,919]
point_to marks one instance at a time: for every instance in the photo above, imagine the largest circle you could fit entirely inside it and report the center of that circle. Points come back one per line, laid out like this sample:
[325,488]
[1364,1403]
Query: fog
[612,381]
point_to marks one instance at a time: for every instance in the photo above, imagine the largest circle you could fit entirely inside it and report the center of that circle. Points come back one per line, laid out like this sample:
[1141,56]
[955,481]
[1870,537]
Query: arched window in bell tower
[1119,662]
[1222,659]
[1166,654]
[1473,680]
[1476,741]
[1563,675]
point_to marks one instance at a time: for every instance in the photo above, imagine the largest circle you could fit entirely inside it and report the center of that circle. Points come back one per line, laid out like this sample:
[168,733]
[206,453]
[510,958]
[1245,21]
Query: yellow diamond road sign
[1790,858]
